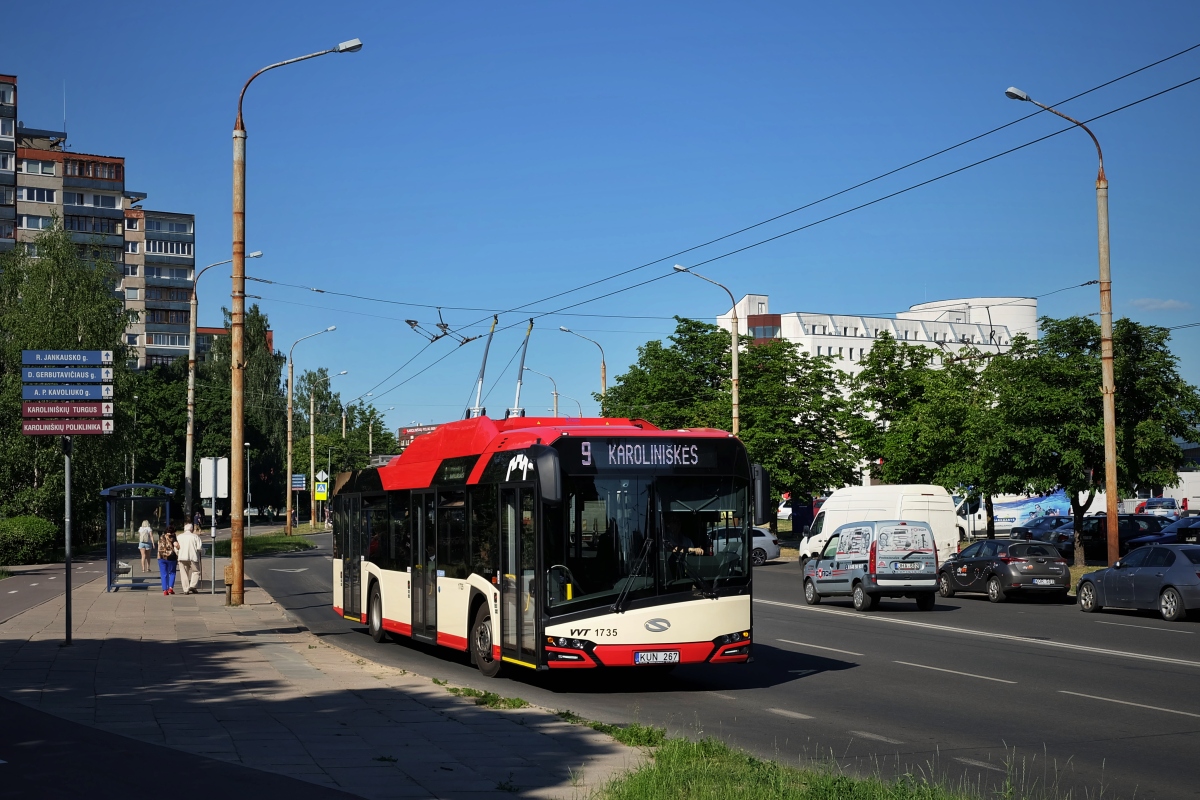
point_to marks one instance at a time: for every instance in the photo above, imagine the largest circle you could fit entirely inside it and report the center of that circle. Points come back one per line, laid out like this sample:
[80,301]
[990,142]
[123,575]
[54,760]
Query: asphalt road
[31,586]
[967,691]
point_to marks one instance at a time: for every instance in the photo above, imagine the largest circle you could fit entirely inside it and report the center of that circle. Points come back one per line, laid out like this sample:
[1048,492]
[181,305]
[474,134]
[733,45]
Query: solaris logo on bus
[520,462]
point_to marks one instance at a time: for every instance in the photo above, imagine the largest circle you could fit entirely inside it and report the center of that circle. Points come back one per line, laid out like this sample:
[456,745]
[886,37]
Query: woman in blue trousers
[168,560]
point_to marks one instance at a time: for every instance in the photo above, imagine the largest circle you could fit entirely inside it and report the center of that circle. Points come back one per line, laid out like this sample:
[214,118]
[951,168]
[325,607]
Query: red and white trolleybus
[553,543]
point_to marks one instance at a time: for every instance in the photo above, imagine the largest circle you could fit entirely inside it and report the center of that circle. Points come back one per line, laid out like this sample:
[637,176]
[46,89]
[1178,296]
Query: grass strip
[1079,572]
[711,770]
[489,699]
[634,735]
[4,573]
[265,544]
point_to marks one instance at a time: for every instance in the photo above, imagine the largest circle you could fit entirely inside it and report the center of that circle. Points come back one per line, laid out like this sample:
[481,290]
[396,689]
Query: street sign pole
[66,442]
[212,584]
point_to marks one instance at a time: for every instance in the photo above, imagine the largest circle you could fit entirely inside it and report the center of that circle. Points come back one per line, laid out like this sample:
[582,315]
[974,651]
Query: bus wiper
[616,606]
[704,589]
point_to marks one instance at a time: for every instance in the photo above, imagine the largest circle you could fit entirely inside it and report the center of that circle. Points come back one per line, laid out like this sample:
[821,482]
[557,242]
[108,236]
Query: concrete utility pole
[237,471]
[312,445]
[733,311]
[287,525]
[190,448]
[1108,380]
[603,367]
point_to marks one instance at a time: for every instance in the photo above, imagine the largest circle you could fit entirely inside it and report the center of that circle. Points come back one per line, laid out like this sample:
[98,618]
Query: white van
[931,504]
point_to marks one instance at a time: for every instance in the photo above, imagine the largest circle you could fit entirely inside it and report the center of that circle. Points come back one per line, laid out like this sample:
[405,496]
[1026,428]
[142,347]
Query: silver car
[764,548]
[1162,577]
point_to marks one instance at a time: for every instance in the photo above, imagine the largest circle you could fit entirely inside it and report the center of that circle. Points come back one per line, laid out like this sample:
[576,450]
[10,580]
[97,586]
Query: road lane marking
[301,569]
[14,591]
[819,647]
[783,712]
[1142,627]
[33,584]
[970,762]
[1127,703]
[954,672]
[723,696]
[875,736]
[984,634]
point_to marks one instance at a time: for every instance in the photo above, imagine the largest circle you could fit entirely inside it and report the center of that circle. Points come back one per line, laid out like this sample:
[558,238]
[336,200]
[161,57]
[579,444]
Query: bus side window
[400,541]
[452,534]
[484,542]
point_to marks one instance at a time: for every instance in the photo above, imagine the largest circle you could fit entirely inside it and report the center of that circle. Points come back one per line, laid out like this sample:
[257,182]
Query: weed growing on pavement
[489,699]
[4,574]
[440,682]
[508,785]
[389,759]
[634,735]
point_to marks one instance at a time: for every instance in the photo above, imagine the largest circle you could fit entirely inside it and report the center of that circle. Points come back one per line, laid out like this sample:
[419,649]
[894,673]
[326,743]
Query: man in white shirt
[191,554]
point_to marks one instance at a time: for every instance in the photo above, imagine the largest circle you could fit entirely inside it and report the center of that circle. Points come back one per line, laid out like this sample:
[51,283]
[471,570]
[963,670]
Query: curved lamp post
[1108,387]
[603,369]
[733,311]
[190,447]
[553,383]
[237,324]
[287,525]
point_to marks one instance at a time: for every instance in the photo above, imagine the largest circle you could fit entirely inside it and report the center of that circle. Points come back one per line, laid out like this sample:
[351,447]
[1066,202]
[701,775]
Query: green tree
[59,301]
[1046,429]
[792,407]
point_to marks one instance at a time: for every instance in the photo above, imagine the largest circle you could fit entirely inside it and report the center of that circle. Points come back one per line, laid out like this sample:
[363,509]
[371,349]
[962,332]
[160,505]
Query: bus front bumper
[732,648]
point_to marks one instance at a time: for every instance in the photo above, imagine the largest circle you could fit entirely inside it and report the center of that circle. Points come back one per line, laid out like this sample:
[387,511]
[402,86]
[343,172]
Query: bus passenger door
[352,557]
[424,568]
[518,577]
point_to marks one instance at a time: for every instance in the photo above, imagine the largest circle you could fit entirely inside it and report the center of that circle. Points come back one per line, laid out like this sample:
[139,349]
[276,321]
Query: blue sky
[486,155]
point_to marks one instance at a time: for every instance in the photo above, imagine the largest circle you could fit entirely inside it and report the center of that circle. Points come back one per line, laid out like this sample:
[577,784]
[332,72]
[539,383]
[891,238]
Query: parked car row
[1060,532]
[872,559]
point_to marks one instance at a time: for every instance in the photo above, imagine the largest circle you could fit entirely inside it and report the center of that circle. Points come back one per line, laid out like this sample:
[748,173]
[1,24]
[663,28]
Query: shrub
[27,540]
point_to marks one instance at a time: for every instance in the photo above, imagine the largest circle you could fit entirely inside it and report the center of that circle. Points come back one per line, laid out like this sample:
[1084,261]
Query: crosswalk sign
[321,490]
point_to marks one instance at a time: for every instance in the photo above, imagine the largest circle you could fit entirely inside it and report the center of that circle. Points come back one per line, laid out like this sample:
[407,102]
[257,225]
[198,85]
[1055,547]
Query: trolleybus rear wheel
[482,652]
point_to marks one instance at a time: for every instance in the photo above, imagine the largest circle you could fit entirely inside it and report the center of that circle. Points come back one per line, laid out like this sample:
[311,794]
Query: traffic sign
[101,392]
[65,427]
[322,475]
[299,482]
[67,374]
[207,475]
[66,358]
[320,490]
[34,410]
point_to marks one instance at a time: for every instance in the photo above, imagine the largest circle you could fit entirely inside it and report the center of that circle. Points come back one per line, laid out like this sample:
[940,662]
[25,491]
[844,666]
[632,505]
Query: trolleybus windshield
[636,537]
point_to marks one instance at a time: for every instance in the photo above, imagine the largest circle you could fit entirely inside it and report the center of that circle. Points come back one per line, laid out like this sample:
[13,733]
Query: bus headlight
[732,638]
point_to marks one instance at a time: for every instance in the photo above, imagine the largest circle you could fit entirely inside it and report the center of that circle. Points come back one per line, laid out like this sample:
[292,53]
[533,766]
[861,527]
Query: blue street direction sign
[67,374]
[299,482]
[66,358]
[103,392]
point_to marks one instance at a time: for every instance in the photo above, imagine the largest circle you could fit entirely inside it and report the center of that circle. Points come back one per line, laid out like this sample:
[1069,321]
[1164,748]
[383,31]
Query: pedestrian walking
[191,556]
[145,544]
[197,522]
[168,560]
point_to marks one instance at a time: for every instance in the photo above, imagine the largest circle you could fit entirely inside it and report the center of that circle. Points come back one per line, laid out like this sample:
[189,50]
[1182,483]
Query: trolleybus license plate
[657,657]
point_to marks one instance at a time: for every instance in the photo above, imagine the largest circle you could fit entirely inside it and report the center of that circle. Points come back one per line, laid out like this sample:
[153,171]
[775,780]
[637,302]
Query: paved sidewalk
[245,685]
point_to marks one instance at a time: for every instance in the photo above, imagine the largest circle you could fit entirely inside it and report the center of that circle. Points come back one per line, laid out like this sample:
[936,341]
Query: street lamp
[312,444]
[733,312]
[190,448]
[603,369]
[1108,383]
[552,383]
[577,404]
[287,525]
[237,326]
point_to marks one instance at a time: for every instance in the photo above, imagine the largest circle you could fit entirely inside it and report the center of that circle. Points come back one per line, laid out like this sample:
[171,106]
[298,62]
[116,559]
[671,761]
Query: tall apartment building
[151,253]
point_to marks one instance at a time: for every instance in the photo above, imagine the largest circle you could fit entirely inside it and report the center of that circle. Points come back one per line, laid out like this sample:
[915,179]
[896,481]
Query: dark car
[1030,529]
[1163,577]
[999,568]
[1168,535]
[1095,534]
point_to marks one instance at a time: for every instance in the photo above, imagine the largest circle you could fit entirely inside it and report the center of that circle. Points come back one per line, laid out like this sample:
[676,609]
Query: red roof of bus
[416,466]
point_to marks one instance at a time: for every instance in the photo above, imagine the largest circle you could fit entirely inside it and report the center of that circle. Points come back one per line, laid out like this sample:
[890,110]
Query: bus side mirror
[762,493]
[549,475]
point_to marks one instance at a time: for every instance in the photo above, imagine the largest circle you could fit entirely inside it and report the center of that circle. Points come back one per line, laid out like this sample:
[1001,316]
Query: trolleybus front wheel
[482,652]
[375,614]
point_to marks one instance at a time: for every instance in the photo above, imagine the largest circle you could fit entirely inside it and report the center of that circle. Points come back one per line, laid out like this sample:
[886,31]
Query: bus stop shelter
[124,511]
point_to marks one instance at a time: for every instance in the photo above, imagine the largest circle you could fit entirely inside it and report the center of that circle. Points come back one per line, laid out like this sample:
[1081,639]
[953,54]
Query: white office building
[987,324]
